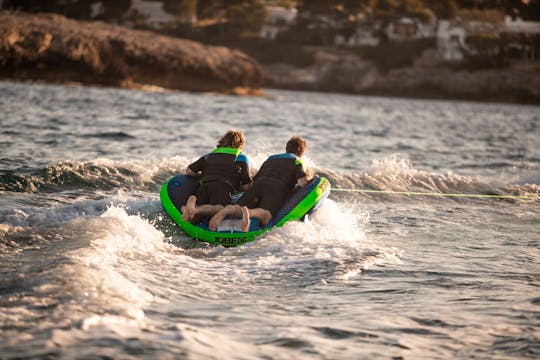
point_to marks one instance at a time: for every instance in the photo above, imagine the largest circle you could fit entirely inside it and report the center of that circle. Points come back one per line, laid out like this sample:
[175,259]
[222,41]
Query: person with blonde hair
[274,181]
[221,173]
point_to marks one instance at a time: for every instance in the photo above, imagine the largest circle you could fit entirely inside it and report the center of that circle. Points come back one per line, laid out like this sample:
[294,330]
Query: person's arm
[303,177]
[192,173]
[303,181]
[195,169]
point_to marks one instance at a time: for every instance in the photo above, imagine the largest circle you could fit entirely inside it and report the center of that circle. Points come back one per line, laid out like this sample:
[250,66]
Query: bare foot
[267,216]
[189,209]
[245,219]
[217,219]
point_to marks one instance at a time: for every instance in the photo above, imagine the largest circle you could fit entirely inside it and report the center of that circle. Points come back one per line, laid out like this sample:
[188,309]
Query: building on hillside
[154,14]
[278,19]
[452,37]
[96,9]
[451,41]
[362,35]
[517,25]
[525,34]
[403,29]
[410,29]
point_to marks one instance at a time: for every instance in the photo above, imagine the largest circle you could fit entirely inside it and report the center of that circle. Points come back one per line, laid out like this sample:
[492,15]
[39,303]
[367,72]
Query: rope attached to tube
[415,193]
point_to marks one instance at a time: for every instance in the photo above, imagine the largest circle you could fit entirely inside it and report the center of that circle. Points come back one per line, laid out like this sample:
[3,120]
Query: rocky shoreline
[54,48]
[349,74]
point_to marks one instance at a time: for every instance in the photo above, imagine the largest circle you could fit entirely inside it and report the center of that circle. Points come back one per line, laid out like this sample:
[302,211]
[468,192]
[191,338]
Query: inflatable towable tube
[301,202]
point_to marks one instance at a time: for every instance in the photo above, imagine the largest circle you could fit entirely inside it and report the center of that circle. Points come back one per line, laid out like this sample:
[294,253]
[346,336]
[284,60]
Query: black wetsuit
[274,181]
[224,170]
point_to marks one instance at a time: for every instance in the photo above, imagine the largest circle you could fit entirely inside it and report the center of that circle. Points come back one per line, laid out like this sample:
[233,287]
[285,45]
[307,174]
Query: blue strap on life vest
[298,161]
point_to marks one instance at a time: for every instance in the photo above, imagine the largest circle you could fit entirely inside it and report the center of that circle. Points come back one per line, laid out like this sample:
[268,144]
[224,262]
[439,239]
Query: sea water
[91,266]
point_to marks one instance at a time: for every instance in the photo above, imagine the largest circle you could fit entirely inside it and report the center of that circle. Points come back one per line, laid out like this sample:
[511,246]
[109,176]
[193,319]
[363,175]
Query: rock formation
[53,48]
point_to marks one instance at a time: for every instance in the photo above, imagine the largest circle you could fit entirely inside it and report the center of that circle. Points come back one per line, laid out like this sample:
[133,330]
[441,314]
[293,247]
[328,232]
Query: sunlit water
[91,267]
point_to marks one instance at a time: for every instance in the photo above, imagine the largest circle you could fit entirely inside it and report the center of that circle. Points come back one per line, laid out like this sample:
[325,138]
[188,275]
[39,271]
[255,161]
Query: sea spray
[103,174]
[393,173]
[332,241]
[91,267]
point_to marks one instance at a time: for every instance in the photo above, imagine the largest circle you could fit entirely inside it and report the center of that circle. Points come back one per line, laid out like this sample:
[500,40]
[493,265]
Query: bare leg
[229,210]
[245,218]
[263,215]
[188,211]
[207,210]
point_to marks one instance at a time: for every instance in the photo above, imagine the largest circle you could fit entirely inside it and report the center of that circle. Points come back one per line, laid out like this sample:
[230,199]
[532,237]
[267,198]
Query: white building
[450,41]
[399,30]
[152,11]
[528,30]
[278,19]
[452,36]
[95,8]
[363,35]
[518,25]
[409,29]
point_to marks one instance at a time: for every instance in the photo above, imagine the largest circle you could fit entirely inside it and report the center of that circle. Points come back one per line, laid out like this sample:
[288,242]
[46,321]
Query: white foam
[107,271]
[117,324]
[392,165]
[7,228]
[334,233]
[129,233]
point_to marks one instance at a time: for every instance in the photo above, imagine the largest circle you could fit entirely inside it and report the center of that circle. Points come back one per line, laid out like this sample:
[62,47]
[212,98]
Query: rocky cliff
[54,48]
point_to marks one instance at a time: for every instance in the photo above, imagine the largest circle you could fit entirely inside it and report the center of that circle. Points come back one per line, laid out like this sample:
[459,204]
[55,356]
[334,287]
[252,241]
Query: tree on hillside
[354,9]
[314,21]
[184,10]
[245,16]
[77,9]
[416,9]
[528,10]
[233,16]
[317,7]
[320,20]
[283,3]
[443,9]
[386,10]
[114,9]
[344,8]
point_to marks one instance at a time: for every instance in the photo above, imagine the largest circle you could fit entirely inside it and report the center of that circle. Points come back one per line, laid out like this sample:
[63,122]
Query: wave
[114,135]
[100,174]
[331,245]
[395,175]
[89,276]
[388,174]
[105,273]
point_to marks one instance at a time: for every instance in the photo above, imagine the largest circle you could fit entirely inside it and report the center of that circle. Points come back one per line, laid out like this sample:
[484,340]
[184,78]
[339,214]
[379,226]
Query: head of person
[233,139]
[296,145]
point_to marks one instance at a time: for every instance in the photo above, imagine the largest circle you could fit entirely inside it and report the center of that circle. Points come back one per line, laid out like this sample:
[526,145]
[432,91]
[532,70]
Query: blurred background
[467,49]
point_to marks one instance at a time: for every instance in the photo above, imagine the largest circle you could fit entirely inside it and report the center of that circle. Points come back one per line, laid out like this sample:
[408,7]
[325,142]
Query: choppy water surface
[91,267]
